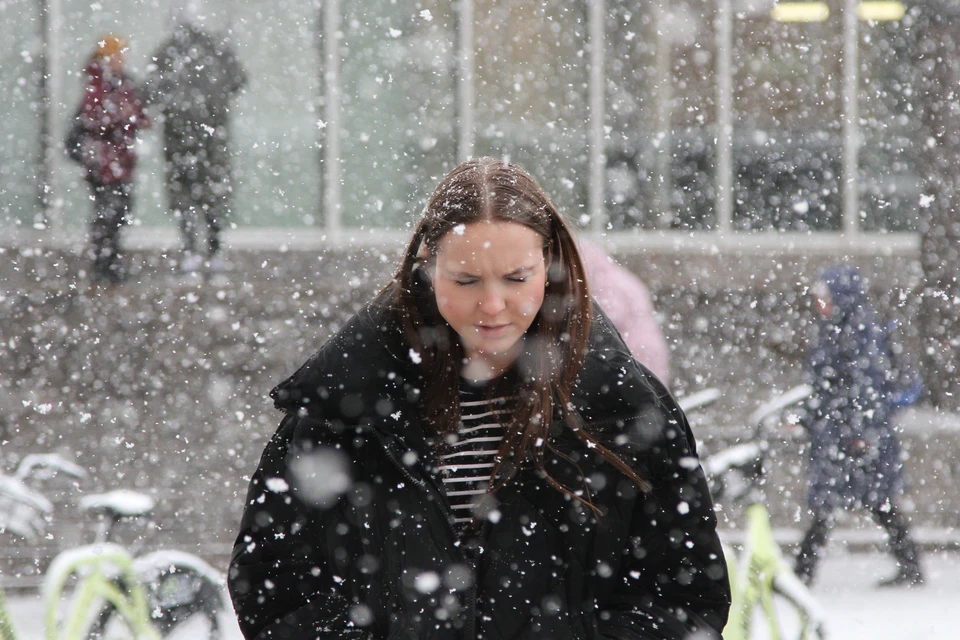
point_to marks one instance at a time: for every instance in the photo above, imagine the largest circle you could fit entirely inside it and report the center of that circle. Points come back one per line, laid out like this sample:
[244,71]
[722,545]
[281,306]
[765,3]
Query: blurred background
[724,151]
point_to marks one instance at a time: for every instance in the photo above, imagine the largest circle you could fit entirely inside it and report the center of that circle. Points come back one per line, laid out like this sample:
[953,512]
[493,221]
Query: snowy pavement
[855,608]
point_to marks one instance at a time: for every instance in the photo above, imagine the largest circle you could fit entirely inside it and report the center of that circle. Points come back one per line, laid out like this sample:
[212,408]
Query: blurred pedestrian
[477,454]
[193,77]
[626,300]
[854,450]
[102,139]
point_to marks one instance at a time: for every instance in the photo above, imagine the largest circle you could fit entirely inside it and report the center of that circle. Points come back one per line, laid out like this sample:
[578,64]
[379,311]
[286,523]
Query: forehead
[489,241]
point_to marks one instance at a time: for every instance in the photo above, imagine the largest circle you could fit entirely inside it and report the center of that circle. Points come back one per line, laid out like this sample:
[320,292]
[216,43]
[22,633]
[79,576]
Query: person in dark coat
[854,449]
[476,454]
[193,77]
[103,140]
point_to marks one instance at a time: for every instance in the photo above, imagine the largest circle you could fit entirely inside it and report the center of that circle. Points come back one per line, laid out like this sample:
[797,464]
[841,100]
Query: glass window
[789,125]
[660,111]
[276,132]
[20,116]
[399,113]
[531,93]
[398,107]
[633,102]
[273,125]
[788,104]
[891,186]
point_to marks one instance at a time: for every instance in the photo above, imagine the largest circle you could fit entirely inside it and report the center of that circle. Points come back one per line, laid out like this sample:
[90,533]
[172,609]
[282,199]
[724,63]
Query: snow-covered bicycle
[101,590]
[24,510]
[763,584]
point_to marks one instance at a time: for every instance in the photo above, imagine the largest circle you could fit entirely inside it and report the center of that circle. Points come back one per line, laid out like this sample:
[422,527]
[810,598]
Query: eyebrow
[467,274]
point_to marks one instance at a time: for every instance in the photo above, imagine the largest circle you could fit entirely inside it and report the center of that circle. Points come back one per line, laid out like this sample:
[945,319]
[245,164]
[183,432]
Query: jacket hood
[360,367]
[846,288]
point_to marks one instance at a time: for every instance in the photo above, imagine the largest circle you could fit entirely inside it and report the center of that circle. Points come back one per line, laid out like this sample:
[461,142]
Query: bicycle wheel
[182,606]
[796,603]
[185,604]
[184,594]
[108,624]
[776,614]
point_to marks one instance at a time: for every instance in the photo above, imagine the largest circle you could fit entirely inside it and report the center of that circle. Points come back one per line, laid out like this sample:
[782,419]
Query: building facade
[717,117]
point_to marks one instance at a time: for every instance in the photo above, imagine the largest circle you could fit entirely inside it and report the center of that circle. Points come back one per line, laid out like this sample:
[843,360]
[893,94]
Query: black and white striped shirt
[466,461]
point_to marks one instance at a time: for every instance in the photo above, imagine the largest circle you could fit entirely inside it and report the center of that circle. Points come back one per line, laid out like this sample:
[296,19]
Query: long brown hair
[488,189]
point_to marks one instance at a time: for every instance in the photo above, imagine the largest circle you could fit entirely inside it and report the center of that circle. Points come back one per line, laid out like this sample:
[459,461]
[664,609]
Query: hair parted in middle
[542,379]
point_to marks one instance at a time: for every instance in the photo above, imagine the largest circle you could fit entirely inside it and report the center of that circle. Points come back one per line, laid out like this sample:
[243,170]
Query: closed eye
[464,283]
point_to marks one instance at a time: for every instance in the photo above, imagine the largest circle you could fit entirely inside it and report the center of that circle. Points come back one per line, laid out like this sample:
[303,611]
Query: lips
[492,331]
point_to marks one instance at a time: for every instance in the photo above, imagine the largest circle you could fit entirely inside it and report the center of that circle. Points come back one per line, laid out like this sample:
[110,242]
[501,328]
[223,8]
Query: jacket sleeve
[672,579]
[282,579]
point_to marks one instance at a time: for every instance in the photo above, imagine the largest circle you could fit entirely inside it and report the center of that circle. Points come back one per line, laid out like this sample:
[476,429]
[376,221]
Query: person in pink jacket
[626,301]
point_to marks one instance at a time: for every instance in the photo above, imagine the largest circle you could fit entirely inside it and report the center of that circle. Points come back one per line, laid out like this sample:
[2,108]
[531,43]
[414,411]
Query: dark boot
[903,548]
[810,547]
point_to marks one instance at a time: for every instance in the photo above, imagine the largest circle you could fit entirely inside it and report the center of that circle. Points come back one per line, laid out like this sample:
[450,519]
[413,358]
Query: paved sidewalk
[28,620]
[856,608]
[868,537]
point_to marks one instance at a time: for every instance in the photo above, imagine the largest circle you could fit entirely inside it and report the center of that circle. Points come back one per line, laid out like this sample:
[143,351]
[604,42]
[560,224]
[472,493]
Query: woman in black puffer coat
[594,521]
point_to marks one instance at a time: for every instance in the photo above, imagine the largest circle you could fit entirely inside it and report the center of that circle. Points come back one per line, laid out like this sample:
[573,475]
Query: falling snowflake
[277,485]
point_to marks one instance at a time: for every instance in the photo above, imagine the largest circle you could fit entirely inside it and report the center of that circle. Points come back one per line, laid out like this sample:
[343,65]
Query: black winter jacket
[347,532]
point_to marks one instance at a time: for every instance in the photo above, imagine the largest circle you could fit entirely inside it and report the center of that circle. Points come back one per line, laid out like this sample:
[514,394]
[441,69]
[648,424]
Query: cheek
[443,302]
[448,302]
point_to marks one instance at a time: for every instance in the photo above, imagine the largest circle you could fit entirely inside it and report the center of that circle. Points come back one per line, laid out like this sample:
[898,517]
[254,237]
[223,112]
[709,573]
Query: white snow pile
[122,501]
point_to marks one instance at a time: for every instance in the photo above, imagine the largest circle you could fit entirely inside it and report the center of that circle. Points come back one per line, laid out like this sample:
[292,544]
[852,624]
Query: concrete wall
[160,384]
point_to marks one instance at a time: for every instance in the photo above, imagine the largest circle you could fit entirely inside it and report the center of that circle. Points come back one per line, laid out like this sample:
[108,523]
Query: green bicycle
[762,582]
[108,581]
[24,511]
[101,591]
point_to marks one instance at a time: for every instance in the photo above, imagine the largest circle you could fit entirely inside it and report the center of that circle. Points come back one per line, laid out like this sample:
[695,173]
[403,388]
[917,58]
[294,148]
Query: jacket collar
[365,376]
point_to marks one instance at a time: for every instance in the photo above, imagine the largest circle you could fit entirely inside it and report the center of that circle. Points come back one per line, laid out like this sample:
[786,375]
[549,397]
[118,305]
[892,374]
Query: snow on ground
[856,608]
[846,589]
[28,620]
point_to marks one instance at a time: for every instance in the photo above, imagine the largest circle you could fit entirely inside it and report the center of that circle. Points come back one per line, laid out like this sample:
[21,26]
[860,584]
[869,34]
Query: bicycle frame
[97,566]
[760,571]
[105,581]
[757,574]
[7,631]
[23,510]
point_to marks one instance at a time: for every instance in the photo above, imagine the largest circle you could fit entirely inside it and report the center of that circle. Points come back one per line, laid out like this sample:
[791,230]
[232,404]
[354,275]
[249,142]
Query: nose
[492,301]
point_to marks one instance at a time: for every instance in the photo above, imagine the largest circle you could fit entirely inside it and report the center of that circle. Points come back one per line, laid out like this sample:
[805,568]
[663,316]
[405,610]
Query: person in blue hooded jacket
[854,450]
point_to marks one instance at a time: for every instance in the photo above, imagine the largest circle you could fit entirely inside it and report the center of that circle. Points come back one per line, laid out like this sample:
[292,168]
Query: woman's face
[489,281]
[822,300]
